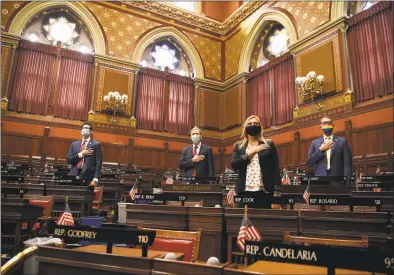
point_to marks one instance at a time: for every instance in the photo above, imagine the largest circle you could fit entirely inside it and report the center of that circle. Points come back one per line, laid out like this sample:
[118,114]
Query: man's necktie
[328,154]
[194,153]
[83,146]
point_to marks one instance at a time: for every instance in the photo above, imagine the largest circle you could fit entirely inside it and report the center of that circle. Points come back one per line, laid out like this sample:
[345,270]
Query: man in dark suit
[330,154]
[197,159]
[85,157]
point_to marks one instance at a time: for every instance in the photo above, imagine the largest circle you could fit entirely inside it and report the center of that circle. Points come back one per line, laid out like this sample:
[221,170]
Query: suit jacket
[269,165]
[92,164]
[340,161]
[204,168]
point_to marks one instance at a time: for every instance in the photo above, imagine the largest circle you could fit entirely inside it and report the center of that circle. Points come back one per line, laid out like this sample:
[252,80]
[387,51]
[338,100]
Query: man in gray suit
[85,156]
[197,159]
[330,154]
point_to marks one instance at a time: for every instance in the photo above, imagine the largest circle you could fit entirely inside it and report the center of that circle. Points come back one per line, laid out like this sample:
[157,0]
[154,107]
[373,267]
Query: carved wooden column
[349,133]
[244,99]
[130,152]
[196,110]
[166,155]
[10,71]
[93,86]
[221,160]
[297,148]
[45,144]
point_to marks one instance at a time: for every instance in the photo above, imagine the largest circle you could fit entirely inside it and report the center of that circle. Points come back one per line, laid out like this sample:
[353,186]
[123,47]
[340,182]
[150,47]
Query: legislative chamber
[197,137]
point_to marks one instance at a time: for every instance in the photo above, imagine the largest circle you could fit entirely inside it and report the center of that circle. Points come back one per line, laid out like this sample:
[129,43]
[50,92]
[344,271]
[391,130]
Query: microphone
[170,256]
[213,261]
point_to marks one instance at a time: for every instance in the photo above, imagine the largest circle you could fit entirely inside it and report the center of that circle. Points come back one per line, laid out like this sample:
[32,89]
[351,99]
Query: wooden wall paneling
[148,157]
[57,148]
[114,153]
[16,144]
[173,158]
[373,140]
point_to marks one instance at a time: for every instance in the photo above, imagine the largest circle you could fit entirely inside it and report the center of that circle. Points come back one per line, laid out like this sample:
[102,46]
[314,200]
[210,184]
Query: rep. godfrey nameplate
[102,234]
[365,259]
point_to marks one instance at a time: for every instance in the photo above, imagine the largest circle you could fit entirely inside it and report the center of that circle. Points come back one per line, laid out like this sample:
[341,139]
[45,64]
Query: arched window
[355,7]
[167,53]
[272,43]
[55,25]
[54,66]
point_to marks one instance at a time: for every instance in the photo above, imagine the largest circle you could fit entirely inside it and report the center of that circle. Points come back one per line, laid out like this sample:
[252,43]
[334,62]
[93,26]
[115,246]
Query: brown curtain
[73,86]
[150,100]
[370,41]
[180,105]
[33,78]
[258,94]
[283,88]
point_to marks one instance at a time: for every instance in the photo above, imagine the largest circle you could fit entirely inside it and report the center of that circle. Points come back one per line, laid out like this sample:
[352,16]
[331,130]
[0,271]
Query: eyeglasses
[326,123]
[253,123]
[86,127]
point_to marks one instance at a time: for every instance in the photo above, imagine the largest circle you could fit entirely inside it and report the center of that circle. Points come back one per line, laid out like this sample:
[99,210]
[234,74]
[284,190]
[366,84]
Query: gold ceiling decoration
[196,19]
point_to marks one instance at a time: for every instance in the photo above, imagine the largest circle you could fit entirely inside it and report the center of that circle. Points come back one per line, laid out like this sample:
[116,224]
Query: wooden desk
[125,251]
[266,267]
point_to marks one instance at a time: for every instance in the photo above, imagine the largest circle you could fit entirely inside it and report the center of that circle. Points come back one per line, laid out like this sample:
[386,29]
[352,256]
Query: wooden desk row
[220,226]
[65,261]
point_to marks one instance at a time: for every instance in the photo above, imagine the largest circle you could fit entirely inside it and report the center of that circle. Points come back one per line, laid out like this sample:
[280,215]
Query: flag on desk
[134,190]
[285,179]
[247,232]
[307,194]
[230,196]
[66,218]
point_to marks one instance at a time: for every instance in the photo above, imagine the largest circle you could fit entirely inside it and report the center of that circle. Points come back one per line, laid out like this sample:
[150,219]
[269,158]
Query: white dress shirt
[198,147]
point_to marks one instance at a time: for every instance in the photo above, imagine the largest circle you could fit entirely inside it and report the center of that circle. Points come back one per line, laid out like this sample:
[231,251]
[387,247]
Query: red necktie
[194,153]
[83,146]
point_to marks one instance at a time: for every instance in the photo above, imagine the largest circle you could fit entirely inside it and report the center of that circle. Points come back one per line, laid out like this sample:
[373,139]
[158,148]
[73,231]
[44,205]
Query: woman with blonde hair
[256,159]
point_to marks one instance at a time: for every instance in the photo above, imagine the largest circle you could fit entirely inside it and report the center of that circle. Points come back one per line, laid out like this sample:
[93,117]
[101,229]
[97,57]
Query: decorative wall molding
[197,20]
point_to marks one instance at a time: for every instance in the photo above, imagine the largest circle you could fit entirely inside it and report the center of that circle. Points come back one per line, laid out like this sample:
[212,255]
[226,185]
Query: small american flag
[286,179]
[230,196]
[66,218]
[247,232]
[307,194]
[134,190]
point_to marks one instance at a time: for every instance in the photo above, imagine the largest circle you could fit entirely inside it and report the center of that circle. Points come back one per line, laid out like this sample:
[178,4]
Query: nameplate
[255,199]
[198,179]
[322,179]
[12,172]
[12,178]
[344,200]
[160,197]
[14,191]
[193,188]
[103,234]
[381,178]
[363,259]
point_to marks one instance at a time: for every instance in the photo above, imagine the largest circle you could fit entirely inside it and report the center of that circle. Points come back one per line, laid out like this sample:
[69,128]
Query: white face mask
[196,139]
[85,133]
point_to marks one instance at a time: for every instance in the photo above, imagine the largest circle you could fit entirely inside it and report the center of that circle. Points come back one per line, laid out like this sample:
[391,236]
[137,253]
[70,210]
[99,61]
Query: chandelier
[114,102]
[310,85]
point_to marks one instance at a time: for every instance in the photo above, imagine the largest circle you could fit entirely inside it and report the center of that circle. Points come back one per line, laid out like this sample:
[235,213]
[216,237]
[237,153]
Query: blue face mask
[85,133]
[196,139]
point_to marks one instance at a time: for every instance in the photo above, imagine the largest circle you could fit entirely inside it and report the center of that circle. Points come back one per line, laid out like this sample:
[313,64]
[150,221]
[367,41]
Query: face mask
[327,130]
[85,133]
[196,139]
[253,130]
